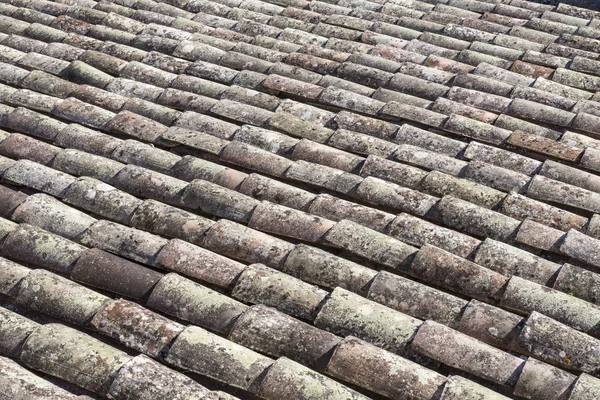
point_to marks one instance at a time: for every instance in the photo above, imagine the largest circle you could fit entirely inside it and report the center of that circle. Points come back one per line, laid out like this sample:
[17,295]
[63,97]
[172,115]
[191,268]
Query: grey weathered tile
[261,285]
[72,351]
[457,387]
[525,297]
[307,263]
[584,385]
[47,213]
[440,184]
[501,158]
[477,130]
[246,244]
[370,244]
[287,337]
[353,355]
[15,330]
[512,124]
[19,146]
[441,343]
[415,114]
[345,313]
[11,199]
[58,297]
[128,242]
[550,190]
[577,346]
[199,263]
[475,220]
[145,377]
[509,260]
[33,123]
[287,378]
[539,377]
[490,324]
[522,207]
[39,177]
[416,299]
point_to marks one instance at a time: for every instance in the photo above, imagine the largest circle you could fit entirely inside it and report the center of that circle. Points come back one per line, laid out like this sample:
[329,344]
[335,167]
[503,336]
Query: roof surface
[304,200]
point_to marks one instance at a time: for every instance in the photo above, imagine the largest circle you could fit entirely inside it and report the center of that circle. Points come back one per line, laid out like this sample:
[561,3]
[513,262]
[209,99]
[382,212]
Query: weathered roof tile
[513,124]
[103,270]
[476,357]
[549,190]
[539,236]
[80,112]
[387,96]
[540,113]
[146,377]
[542,145]
[343,314]
[468,279]
[48,213]
[289,379]
[297,127]
[543,97]
[391,171]
[490,324]
[72,348]
[37,176]
[291,296]
[128,242]
[475,58]
[538,377]
[246,244]
[130,124]
[457,387]
[59,297]
[284,221]
[15,329]
[483,84]
[413,113]
[370,244]
[475,220]
[525,296]
[19,146]
[474,129]
[243,365]
[486,25]
[307,344]
[440,184]
[576,345]
[509,260]
[584,384]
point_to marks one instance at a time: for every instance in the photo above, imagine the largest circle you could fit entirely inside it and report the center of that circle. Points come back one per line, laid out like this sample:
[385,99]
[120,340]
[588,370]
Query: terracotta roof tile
[490,324]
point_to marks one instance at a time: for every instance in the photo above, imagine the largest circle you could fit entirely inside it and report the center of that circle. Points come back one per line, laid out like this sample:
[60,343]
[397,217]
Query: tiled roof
[304,200]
